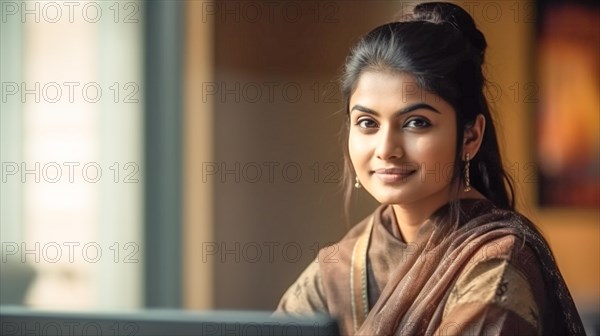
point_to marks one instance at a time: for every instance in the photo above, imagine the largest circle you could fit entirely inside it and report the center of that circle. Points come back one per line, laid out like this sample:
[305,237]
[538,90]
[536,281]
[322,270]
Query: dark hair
[440,46]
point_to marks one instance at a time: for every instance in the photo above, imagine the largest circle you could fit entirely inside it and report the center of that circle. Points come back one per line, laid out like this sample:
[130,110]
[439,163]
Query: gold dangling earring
[357,184]
[467,178]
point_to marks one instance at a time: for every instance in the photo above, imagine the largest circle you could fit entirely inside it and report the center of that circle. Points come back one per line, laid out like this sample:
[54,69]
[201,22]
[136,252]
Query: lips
[394,171]
[393,174]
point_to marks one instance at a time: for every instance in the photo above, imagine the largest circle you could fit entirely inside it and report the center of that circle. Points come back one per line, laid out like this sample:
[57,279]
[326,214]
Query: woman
[445,253]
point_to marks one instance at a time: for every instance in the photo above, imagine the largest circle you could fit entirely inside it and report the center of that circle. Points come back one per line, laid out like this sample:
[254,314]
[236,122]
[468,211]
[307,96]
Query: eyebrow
[407,109]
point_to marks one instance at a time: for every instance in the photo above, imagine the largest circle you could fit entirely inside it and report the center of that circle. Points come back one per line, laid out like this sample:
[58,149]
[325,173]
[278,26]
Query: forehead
[393,89]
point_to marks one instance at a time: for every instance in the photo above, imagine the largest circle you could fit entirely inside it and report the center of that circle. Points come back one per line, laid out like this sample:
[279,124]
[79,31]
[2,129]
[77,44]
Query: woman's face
[402,140]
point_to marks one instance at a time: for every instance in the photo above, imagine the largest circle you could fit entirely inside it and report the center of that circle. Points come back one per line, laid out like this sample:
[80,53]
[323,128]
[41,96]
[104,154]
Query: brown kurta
[492,274]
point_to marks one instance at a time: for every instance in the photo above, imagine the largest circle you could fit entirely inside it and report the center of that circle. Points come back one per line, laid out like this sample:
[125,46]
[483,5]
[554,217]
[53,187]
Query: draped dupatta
[412,297]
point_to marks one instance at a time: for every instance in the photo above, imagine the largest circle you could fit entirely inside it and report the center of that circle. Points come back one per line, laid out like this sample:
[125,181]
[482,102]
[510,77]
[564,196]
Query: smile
[393,175]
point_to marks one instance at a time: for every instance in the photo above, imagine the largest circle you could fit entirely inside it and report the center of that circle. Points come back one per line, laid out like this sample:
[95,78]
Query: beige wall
[266,210]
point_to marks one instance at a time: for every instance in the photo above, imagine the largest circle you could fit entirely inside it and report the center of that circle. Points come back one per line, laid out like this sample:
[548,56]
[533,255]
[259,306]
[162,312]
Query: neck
[410,217]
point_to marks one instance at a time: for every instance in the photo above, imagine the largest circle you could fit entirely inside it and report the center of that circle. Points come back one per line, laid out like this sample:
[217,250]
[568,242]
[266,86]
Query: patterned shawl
[415,293]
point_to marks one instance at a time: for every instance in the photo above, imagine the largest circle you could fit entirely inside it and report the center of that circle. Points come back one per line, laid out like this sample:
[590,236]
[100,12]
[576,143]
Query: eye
[366,123]
[417,123]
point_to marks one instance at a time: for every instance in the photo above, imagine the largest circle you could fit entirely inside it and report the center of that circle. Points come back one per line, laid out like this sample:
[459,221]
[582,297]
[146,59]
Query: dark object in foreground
[16,320]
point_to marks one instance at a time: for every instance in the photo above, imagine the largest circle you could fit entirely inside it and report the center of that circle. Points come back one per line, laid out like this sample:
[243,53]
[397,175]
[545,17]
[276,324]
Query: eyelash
[360,122]
[424,122]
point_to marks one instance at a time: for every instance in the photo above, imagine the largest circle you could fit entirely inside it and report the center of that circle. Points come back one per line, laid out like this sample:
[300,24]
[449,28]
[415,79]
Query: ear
[473,136]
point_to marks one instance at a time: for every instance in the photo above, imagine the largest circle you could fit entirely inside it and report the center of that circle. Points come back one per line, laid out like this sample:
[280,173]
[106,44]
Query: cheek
[438,149]
[358,148]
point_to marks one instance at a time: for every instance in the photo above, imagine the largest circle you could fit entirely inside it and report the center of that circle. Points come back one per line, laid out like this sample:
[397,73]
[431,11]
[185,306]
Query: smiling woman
[445,252]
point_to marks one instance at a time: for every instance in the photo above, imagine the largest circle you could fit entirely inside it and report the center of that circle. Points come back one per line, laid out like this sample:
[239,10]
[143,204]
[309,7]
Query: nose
[389,144]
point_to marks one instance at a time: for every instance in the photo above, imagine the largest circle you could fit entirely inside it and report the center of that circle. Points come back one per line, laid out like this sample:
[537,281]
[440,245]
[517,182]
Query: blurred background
[186,154]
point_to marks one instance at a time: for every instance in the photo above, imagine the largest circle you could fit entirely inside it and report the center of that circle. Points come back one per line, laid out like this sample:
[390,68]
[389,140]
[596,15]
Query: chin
[393,199]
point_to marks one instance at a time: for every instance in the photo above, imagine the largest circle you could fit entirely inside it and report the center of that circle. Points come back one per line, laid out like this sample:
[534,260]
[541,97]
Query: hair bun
[444,12]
